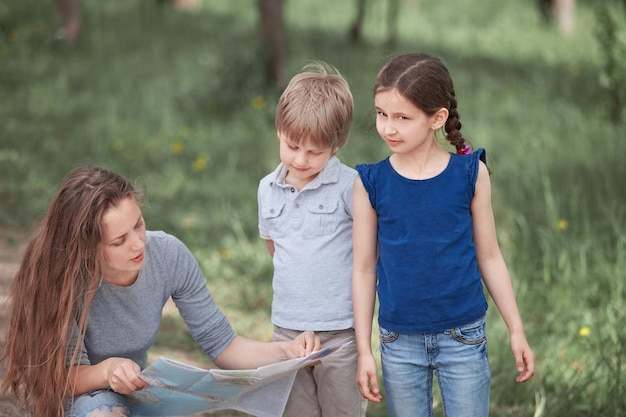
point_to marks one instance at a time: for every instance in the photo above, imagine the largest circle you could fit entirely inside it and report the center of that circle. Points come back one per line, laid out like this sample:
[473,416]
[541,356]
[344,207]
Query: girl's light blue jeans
[457,357]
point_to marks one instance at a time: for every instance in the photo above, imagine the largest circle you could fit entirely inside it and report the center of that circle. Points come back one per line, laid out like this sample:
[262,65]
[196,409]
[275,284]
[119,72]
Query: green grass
[179,101]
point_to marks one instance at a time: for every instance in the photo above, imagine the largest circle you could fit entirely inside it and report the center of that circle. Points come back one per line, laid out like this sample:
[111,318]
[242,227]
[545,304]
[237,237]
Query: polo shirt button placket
[296,216]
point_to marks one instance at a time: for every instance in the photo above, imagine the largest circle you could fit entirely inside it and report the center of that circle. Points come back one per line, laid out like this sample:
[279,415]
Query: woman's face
[123,242]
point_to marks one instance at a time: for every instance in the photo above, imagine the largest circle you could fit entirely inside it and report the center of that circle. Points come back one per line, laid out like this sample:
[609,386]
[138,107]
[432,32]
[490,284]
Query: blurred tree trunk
[68,18]
[612,77]
[273,38]
[393,12]
[563,10]
[545,8]
[357,28]
[183,4]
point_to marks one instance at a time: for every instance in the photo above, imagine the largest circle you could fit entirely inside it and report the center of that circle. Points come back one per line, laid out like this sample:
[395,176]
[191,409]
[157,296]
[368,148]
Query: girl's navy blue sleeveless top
[428,276]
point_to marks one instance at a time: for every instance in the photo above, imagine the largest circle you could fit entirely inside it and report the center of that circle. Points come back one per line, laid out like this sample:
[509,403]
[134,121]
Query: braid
[453,126]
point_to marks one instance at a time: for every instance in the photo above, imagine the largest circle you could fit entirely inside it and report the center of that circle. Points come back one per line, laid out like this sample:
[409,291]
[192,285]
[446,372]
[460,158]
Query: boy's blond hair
[316,106]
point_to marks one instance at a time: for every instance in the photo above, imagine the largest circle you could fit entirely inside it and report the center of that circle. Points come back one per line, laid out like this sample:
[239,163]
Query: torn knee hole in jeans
[110,411]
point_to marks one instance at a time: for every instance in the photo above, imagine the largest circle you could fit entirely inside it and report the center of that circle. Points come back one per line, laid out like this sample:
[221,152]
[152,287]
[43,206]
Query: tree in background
[611,38]
[68,16]
[563,11]
[272,33]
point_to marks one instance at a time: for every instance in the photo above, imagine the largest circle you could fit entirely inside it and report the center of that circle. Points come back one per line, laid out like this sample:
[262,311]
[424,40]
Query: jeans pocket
[387,336]
[470,334]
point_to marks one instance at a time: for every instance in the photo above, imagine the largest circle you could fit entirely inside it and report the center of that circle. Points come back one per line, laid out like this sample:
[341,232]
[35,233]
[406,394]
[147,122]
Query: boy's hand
[303,345]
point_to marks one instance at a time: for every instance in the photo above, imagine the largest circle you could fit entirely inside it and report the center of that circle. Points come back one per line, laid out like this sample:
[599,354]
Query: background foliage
[179,101]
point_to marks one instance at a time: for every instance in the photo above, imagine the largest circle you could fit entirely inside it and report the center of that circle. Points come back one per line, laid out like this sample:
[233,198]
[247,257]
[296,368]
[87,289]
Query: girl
[424,227]
[86,304]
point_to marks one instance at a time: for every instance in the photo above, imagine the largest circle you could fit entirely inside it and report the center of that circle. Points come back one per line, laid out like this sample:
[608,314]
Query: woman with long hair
[86,304]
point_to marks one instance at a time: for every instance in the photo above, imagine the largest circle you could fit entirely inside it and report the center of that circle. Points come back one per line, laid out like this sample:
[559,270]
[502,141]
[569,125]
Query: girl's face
[123,242]
[303,161]
[401,124]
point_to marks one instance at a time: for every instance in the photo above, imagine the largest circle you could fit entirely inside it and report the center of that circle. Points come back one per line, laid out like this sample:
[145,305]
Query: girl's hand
[123,375]
[303,345]
[524,357]
[367,378]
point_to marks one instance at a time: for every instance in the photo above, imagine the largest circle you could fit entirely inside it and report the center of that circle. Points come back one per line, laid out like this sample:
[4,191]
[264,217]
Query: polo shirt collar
[329,174]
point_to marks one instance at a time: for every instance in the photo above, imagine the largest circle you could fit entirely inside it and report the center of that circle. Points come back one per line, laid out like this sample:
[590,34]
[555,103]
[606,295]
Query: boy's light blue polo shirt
[312,234]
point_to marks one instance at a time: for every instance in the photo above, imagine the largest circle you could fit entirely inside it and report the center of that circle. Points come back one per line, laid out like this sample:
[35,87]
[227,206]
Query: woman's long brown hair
[53,288]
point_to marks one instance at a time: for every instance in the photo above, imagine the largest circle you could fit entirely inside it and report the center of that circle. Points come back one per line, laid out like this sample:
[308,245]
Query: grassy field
[178,100]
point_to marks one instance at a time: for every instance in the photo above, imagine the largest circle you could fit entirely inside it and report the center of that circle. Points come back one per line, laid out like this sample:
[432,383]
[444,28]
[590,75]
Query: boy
[305,216]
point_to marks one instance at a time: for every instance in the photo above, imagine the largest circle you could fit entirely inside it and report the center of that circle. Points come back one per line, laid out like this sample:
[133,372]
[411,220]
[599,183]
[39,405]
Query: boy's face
[303,161]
